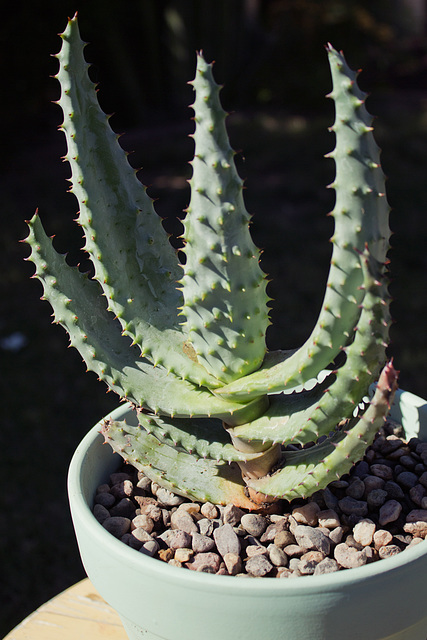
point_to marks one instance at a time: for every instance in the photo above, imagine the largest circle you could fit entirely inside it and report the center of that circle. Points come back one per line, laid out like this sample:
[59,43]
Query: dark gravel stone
[349,506]
[117,526]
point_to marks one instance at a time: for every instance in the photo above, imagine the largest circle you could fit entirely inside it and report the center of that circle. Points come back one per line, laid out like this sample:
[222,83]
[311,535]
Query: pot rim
[171,574]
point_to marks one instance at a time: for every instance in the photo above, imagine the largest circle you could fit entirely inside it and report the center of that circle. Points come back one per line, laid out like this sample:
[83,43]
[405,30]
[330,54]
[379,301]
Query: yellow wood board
[77,613]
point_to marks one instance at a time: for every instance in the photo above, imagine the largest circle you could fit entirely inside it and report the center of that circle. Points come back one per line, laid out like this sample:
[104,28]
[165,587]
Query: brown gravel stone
[258,566]
[202,544]
[363,532]
[141,535]
[328,565]
[389,550]
[309,538]
[166,554]
[307,514]
[205,562]
[293,551]
[382,538]
[254,524]
[233,563]
[178,539]
[143,522]
[256,550]
[183,555]
[209,510]
[309,561]
[349,557]
[273,529]
[226,540]
[232,515]
[283,539]
[336,535]
[183,521]
[277,556]
[328,518]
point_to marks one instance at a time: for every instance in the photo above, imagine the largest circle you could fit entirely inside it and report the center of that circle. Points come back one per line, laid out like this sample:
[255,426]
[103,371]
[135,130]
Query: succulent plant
[220,417]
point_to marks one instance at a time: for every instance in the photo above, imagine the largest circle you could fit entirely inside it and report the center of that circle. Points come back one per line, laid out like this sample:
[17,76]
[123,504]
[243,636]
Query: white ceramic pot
[382,600]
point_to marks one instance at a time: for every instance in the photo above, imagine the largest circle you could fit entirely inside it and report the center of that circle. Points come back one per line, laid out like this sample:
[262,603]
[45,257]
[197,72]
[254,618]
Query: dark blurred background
[270,56]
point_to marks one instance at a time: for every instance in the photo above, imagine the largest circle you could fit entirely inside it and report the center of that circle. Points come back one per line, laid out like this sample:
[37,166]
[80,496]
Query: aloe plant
[185,343]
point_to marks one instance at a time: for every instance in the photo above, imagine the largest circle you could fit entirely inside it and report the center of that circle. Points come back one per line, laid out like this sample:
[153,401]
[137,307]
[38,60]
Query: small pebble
[256,550]
[371,483]
[166,554]
[233,563]
[277,556]
[232,515]
[183,521]
[143,522]
[202,544]
[376,498]
[363,532]
[103,488]
[349,557]
[417,515]
[382,471]
[254,524]
[328,565]
[258,566]
[328,518]
[149,548]
[178,539]
[382,538]
[192,508]
[101,513]
[293,551]
[209,510]
[273,529]
[388,550]
[206,527]
[119,476]
[125,508]
[309,538]
[356,489]
[183,554]
[336,535]
[417,493]
[105,499]
[117,526]
[122,489]
[309,561]
[407,479]
[394,491]
[349,506]
[283,539]
[307,514]
[141,535]
[389,512]
[226,540]
[204,562]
